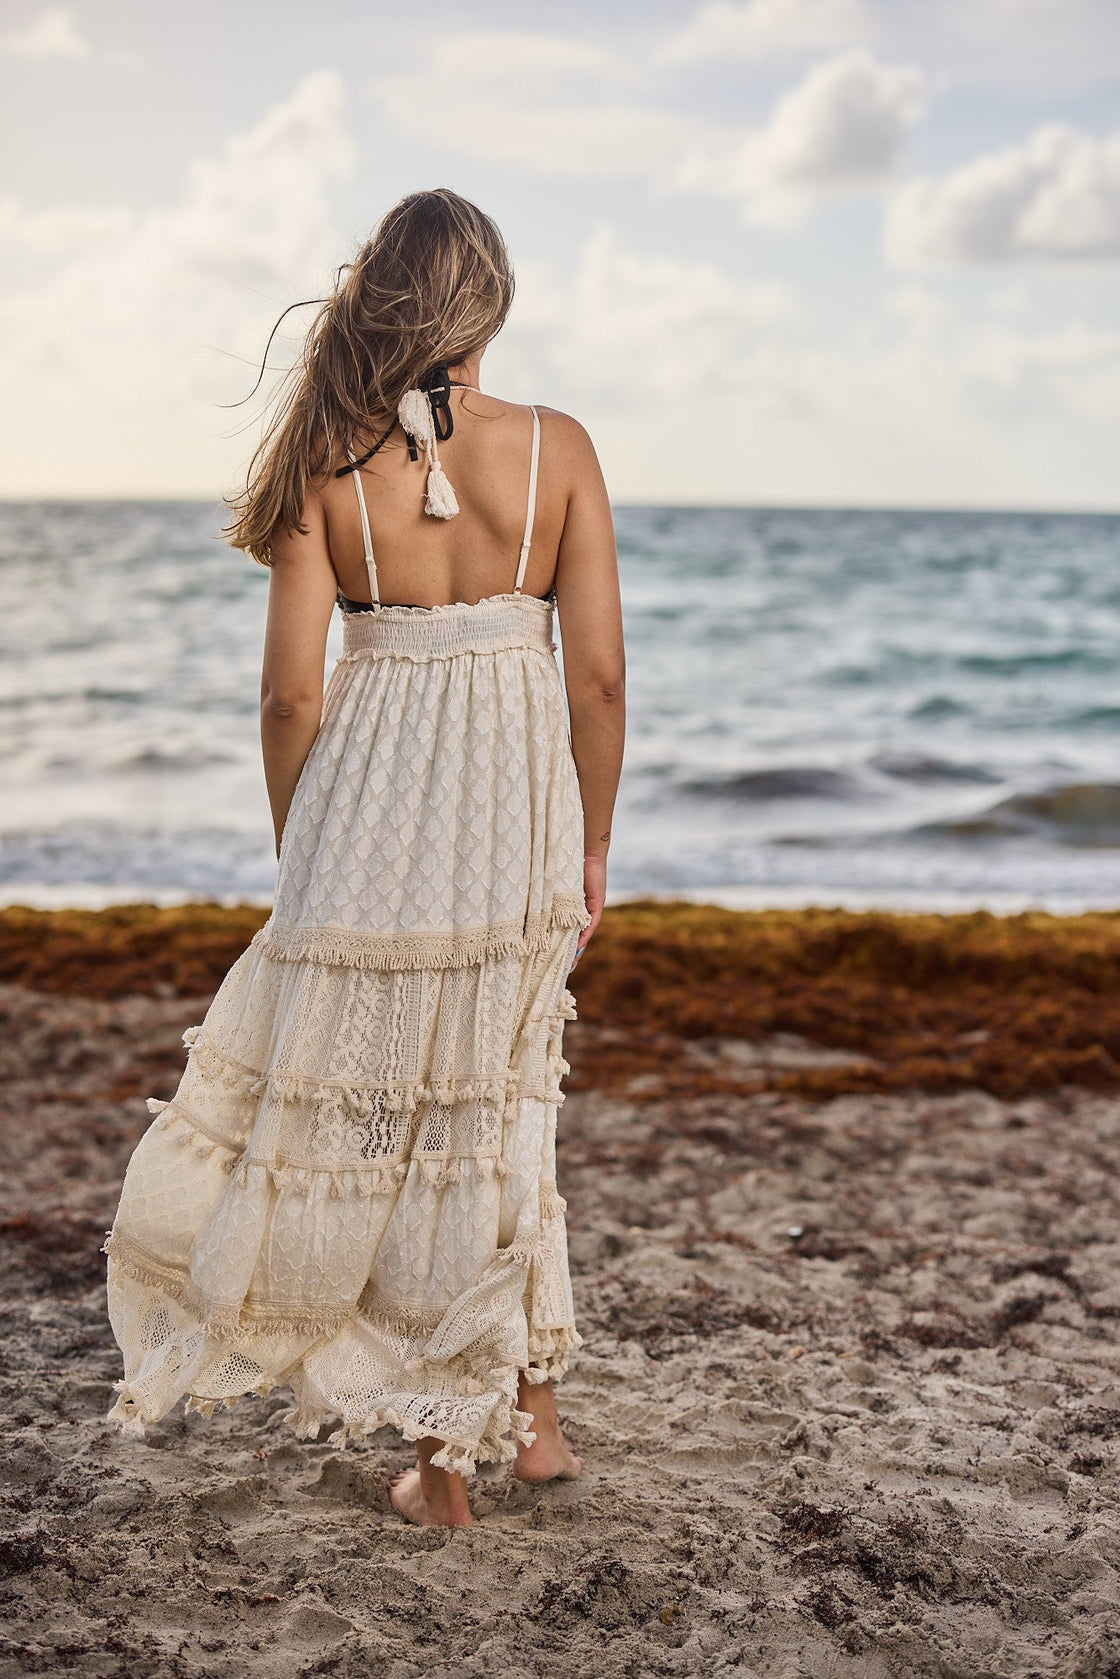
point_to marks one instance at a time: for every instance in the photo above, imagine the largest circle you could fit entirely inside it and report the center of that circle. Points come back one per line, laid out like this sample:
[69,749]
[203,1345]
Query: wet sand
[850,1395]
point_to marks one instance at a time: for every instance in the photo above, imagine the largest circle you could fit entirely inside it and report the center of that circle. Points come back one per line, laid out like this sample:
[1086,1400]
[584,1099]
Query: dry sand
[883,1446]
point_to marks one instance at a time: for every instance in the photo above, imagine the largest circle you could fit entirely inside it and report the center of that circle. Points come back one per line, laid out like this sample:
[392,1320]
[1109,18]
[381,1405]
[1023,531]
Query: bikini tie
[425,416]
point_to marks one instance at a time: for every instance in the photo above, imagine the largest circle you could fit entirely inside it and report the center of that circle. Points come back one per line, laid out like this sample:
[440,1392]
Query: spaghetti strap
[532,507]
[367,539]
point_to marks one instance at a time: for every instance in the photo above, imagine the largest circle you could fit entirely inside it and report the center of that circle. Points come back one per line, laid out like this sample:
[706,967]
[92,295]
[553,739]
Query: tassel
[441,502]
[414,411]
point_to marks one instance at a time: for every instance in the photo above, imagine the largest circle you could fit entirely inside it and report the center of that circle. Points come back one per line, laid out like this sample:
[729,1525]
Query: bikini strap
[532,508]
[367,539]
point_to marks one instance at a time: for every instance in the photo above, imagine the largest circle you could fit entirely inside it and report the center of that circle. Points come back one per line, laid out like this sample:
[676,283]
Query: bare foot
[548,1458]
[430,1497]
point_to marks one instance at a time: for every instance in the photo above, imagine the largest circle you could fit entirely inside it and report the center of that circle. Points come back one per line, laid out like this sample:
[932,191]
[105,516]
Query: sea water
[902,709]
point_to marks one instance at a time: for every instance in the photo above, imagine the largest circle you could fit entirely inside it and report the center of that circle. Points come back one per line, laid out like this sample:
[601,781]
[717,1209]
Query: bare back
[421,561]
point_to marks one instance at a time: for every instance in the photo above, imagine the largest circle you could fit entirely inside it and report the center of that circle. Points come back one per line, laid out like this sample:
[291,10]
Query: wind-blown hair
[434,284]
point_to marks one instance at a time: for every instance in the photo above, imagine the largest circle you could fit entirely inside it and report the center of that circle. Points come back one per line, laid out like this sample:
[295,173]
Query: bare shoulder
[565,430]
[569,446]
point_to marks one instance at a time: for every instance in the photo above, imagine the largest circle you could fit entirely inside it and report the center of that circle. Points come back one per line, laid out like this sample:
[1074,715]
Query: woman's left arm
[301,596]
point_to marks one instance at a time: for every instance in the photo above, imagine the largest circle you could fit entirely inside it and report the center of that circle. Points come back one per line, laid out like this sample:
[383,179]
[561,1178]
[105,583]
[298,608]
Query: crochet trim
[342,947]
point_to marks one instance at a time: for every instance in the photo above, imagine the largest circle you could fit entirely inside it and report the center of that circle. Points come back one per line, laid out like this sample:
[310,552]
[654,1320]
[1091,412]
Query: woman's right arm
[590,610]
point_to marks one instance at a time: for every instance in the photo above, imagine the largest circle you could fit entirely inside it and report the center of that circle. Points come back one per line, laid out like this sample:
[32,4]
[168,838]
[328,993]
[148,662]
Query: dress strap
[367,539]
[532,508]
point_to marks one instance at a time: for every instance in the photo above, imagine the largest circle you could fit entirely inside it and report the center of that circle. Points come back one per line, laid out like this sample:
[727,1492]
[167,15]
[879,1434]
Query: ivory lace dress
[352,1192]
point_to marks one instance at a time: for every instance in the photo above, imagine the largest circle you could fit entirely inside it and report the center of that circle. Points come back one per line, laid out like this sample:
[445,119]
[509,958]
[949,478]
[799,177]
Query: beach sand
[850,1394]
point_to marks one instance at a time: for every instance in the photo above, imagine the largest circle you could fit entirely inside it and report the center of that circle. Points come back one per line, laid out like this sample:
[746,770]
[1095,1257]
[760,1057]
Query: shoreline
[748,899]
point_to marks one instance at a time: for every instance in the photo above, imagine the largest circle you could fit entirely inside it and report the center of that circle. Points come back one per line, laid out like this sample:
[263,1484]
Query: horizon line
[623,502]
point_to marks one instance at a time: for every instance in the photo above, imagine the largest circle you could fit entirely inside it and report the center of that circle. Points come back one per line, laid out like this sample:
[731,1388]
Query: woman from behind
[353,1190]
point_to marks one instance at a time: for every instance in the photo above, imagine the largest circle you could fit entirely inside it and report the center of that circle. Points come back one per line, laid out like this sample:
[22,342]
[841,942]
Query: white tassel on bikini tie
[415,414]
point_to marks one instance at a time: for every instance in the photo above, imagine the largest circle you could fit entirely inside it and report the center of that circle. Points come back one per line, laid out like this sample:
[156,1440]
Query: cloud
[765,28]
[1043,47]
[1054,198]
[53,34]
[539,103]
[698,386]
[629,326]
[136,324]
[842,128]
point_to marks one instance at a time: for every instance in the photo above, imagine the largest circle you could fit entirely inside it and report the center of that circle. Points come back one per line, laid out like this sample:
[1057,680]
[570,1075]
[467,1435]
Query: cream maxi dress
[352,1192]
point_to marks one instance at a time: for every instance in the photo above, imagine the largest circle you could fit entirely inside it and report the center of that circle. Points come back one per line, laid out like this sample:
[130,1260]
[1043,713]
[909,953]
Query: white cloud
[53,34]
[533,102]
[1056,198]
[764,28]
[630,326]
[138,324]
[697,386]
[60,232]
[1051,48]
[846,123]
[841,128]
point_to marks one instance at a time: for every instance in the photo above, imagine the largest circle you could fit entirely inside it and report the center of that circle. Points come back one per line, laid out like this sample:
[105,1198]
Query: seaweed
[1010,1004]
[129,949]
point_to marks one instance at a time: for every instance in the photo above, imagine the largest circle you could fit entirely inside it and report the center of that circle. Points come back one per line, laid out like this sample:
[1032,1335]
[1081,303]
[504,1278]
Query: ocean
[903,710]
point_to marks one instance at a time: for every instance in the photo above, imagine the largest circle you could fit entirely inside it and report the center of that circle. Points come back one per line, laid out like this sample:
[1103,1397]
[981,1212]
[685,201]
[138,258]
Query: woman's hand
[594,896]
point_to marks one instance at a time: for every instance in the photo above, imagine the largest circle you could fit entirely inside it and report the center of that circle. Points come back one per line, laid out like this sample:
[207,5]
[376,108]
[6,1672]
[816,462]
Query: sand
[849,1400]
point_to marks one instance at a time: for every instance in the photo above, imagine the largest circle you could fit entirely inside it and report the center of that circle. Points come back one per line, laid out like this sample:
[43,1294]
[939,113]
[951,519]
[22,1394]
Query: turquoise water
[886,708]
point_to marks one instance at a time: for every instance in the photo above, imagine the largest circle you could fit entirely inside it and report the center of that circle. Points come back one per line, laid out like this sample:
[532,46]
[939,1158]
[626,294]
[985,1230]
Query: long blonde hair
[434,284]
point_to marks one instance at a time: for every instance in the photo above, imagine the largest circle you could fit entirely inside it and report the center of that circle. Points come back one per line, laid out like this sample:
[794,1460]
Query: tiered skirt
[352,1193]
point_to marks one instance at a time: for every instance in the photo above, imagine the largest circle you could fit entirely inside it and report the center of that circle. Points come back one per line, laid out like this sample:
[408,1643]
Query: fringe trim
[403,1096]
[549,1349]
[313,1320]
[215,1061]
[400,1096]
[398,1317]
[341,947]
[223,1323]
[383,1178]
[498,1443]
[127,1414]
[506,1428]
[552,1204]
[565,1010]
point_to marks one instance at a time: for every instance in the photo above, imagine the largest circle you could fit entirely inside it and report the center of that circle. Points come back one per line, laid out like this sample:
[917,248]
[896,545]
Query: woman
[353,1190]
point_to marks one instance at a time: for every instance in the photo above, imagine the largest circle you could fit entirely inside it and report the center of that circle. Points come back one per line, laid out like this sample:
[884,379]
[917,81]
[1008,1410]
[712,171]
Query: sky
[770,252]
